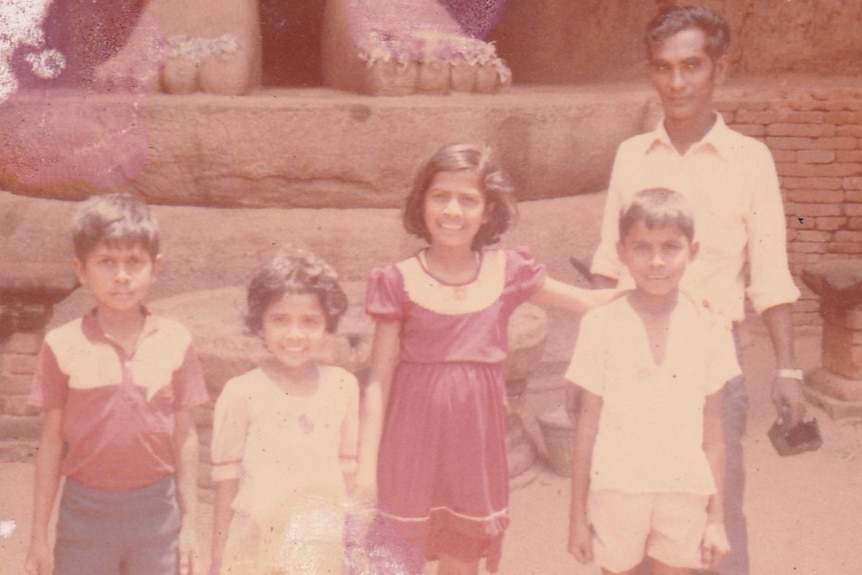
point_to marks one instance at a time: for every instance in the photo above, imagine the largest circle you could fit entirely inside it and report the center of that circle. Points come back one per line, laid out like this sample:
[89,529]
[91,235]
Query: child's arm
[384,357]
[47,480]
[186,449]
[557,294]
[226,491]
[587,426]
[715,544]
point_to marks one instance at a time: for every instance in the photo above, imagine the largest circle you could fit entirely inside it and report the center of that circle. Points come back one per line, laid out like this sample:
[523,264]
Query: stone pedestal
[215,319]
[837,385]
[28,293]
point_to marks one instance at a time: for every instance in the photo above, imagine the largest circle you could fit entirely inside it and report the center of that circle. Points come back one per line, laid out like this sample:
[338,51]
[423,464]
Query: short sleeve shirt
[118,408]
[651,425]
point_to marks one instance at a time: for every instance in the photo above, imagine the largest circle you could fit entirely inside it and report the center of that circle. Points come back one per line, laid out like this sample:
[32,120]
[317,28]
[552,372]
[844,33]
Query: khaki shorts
[665,526]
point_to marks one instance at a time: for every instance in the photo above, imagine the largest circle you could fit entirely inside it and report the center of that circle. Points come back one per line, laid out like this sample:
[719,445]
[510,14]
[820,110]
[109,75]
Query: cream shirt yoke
[650,436]
[731,183]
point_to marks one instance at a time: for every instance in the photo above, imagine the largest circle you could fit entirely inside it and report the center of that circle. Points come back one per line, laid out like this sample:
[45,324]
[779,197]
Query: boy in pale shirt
[649,446]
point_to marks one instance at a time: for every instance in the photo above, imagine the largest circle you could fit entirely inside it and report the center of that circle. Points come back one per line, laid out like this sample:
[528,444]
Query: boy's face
[656,258]
[685,75]
[119,275]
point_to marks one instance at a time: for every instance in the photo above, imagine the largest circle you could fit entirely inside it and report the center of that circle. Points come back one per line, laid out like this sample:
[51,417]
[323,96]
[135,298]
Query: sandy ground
[804,511]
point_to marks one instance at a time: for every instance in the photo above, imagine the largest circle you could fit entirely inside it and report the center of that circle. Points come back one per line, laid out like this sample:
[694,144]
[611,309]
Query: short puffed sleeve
[524,275]
[385,294]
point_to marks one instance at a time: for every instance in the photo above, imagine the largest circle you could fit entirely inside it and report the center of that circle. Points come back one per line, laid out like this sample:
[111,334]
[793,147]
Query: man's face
[685,76]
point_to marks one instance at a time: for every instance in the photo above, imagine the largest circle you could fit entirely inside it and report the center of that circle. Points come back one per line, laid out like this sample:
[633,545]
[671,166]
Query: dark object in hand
[805,436]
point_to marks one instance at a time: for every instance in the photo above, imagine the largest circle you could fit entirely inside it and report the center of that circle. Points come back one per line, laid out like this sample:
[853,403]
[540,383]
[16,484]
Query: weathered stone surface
[215,319]
[206,248]
[837,396]
[837,282]
[35,283]
[310,148]
[595,40]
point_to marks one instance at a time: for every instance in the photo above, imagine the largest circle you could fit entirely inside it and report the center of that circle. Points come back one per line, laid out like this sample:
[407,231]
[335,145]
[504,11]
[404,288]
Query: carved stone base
[837,396]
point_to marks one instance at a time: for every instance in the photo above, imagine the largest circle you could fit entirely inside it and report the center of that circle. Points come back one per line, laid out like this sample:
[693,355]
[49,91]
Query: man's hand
[789,400]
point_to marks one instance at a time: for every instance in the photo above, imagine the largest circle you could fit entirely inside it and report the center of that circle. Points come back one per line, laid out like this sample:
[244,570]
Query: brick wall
[816,140]
[19,423]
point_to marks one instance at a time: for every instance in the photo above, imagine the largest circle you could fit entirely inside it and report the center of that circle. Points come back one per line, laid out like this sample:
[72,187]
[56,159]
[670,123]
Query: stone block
[22,343]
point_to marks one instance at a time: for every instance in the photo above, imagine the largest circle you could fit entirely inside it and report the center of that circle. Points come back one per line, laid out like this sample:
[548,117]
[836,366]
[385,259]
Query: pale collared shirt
[731,184]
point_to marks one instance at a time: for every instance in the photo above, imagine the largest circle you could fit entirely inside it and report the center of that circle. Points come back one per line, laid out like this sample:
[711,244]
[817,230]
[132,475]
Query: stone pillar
[28,293]
[837,385]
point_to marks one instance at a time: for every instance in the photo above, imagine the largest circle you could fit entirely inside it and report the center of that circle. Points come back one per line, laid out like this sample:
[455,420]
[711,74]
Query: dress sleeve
[524,275]
[230,426]
[383,299]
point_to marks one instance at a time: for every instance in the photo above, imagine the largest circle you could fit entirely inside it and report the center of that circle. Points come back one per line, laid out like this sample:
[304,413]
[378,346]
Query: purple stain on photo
[476,17]
[60,133]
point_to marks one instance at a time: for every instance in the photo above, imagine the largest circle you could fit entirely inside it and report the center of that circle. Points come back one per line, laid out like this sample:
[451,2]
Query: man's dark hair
[678,18]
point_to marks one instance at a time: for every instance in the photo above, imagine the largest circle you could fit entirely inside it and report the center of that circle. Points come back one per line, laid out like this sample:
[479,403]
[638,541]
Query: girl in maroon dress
[440,339]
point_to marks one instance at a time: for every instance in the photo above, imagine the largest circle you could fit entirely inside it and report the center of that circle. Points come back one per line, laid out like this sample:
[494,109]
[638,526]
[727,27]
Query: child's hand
[715,544]
[39,559]
[188,559]
[581,542]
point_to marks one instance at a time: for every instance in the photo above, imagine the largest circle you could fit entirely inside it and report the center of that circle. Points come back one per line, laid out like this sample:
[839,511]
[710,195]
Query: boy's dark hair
[678,18]
[119,218]
[657,208]
[499,194]
[294,271]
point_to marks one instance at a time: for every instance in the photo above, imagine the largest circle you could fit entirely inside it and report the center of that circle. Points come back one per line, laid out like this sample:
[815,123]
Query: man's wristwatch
[789,373]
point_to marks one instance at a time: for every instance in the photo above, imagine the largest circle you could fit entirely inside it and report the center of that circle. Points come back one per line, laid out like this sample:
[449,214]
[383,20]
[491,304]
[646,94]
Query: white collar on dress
[427,291]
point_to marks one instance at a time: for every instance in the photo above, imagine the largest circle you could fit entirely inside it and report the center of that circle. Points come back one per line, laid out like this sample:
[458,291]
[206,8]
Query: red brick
[11,383]
[810,211]
[831,223]
[854,223]
[816,196]
[815,156]
[22,342]
[848,156]
[801,223]
[16,405]
[806,236]
[853,197]
[854,248]
[755,117]
[799,117]
[852,209]
[19,364]
[755,105]
[842,118]
[786,156]
[854,131]
[836,143]
[852,183]
[819,170]
[810,248]
[847,236]
[788,182]
[801,130]
[752,130]
[790,143]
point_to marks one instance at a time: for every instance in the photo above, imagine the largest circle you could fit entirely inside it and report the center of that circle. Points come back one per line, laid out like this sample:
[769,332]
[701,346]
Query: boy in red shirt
[117,387]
